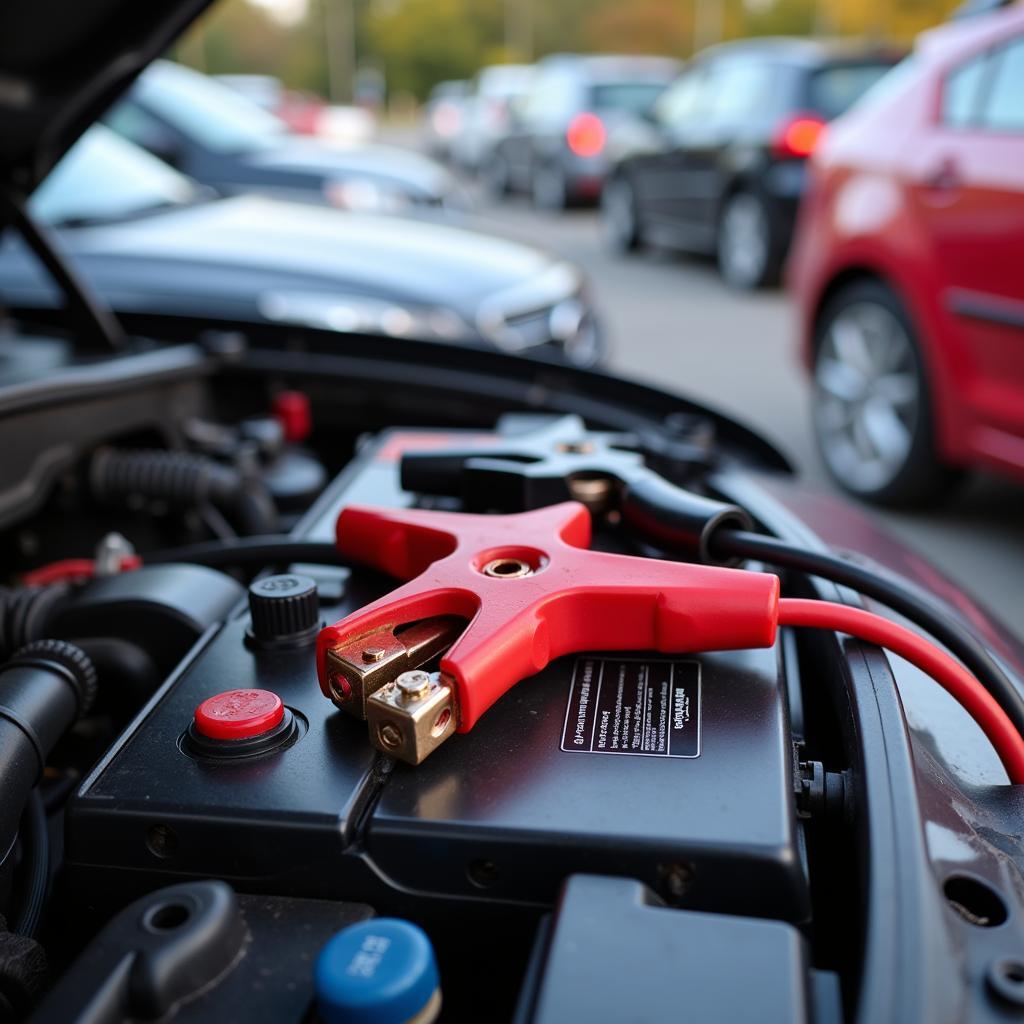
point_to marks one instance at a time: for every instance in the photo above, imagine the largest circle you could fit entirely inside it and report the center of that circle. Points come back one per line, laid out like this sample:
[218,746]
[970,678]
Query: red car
[908,269]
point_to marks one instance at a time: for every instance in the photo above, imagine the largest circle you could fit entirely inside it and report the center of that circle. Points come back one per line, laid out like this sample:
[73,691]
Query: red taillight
[798,137]
[586,135]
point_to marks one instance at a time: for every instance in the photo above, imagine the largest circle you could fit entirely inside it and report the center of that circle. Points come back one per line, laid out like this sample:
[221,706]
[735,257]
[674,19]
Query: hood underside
[62,63]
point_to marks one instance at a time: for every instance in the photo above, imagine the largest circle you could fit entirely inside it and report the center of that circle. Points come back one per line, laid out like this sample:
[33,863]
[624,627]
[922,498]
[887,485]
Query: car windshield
[214,115]
[631,97]
[835,89]
[104,177]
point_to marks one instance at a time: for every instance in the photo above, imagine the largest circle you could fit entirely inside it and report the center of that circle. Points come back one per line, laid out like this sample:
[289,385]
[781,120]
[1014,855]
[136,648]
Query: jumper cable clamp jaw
[358,669]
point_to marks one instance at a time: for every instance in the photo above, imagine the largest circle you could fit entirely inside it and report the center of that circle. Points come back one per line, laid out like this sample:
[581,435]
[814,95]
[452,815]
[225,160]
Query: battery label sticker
[634,706]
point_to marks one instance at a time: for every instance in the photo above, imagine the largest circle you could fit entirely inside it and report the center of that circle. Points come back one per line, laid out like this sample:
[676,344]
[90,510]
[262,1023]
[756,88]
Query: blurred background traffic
[806,213]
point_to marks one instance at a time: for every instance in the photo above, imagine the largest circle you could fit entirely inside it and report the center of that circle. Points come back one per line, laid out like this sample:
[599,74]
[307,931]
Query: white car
[486,113]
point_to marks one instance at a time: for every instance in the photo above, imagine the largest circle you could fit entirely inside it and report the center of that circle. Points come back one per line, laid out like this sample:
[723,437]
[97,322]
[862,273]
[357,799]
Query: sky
[288,12]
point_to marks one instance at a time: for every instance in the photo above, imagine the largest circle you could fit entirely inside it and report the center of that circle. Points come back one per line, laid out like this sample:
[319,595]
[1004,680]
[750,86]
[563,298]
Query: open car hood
[63,62]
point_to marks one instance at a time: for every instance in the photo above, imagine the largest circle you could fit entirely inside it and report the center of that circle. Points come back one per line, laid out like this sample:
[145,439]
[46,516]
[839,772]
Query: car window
[1003,108]
[834,90]
[631,97]
[681,101]
[553,95]
[737,89]
[133,123]
[961,93]
[898,77]
[104,177]
[208,112]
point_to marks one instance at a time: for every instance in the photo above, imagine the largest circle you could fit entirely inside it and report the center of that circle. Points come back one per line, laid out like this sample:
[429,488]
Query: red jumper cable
[506,594]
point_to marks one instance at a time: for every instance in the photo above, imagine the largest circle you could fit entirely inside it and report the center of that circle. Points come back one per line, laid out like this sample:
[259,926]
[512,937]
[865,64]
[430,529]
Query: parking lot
[671,322]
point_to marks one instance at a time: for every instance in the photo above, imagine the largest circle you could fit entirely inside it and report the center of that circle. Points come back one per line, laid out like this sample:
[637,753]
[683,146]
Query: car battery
[676,771]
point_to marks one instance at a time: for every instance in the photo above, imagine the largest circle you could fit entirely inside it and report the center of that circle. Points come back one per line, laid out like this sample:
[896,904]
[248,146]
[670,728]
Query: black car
[555,148]
[151,241]
[718,164]
[220,138]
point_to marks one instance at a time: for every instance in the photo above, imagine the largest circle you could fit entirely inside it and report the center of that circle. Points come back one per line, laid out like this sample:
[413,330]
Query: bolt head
[413,685]
[390,736]
[372,654]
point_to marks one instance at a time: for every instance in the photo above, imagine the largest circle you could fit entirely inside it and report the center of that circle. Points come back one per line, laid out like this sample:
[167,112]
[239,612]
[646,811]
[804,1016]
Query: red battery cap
[239,714]
[292,410]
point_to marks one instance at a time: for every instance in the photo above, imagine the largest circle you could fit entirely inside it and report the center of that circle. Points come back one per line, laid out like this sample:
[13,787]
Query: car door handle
[944,178]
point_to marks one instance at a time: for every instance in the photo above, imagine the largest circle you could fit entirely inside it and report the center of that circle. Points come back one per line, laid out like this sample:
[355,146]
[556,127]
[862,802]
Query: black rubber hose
[185,480]
[899,594]
[275,549]
[35,841]
[44,689]
[25,614]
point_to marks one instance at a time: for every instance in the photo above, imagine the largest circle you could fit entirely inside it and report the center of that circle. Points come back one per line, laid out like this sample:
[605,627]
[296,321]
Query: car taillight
[497,113]
[447,119]
[798,137]
[586,135]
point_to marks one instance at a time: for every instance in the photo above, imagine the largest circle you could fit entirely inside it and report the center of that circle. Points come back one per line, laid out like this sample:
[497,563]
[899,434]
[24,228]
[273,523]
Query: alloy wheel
[744,241]
[867,397]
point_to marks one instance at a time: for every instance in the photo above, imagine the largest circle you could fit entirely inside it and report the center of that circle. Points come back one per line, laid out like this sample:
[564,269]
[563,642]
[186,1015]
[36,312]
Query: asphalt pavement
[672,323]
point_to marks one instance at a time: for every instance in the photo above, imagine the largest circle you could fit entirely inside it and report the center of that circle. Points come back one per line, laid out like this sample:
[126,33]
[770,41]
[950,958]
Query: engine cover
[677,772]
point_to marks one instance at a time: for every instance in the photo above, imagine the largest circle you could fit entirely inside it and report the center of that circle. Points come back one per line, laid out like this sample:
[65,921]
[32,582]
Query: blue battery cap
[381,971]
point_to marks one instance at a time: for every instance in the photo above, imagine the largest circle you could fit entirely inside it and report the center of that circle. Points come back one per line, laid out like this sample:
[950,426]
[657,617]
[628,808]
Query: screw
[675,879]
[161,841]
[413,685]
[372,654]
[482,873]
[390,735]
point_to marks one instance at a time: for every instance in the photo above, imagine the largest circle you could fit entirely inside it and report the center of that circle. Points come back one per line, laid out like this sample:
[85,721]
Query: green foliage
[421,42]
[418,43]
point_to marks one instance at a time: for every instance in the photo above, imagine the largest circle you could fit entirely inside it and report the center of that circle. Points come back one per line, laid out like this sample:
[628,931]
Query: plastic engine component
[203,955]
[614,947]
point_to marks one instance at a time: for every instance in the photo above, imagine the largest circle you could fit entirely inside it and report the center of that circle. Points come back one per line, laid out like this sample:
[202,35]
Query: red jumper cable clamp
[503,595]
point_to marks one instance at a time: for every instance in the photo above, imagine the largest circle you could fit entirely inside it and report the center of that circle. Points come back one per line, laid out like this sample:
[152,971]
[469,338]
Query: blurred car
[264,90]
[150,241]
[496,90]
[303,112]
[444,117]
[718,166]
[555,148]
[222,139]
[909,269]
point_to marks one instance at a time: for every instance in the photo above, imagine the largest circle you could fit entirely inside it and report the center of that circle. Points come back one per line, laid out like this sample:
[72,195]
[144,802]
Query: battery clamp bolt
[390,735]
[413,685]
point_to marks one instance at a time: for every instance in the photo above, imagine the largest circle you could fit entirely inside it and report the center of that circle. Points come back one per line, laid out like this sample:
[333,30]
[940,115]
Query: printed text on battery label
[634,706]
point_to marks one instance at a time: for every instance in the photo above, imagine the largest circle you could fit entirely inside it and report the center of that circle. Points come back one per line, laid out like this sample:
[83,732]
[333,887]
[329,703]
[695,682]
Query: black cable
[269,549]
[35,840]
[899,594]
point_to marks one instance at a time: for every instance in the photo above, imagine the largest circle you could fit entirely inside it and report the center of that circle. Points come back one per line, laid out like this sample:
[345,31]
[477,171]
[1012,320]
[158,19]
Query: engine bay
[630,831]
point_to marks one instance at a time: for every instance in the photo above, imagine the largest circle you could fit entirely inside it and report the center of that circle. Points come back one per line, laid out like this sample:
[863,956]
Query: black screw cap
[285,611]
